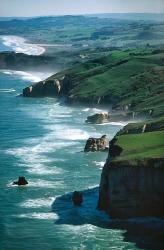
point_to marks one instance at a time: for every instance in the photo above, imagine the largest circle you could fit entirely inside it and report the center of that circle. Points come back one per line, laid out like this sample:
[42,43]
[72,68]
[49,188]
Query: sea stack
[96,144]
[98,118]
[21,181]
[77,198]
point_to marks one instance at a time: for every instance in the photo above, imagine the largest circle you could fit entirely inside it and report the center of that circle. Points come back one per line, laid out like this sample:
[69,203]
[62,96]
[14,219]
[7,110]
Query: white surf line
[29,76]
[7,90]
[41,216]
[38,202]
[99,164]
[19,45]
[120,123]
[54,45]
[38,183]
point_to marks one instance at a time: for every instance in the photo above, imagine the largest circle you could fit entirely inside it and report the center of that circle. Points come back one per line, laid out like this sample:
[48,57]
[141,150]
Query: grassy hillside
[141,146]
[136,128]
[128,80]
[139,141]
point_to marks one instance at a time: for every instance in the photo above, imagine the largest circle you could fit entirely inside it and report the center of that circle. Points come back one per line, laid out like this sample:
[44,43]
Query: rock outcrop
[77,198]
[132,180]
[48,88]
[52,87]
[114,150]
[21,181]
[96,144]
[98,118]
[123,91]
[130,189]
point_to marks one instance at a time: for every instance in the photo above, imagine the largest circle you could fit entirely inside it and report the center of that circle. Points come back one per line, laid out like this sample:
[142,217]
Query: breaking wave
[19,45]
[27,76]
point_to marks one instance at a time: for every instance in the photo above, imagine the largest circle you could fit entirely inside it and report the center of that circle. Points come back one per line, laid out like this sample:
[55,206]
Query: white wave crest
[41,170]
[94,110]
[7,90]
[119,123]
[34,156]
[7,72]
[66,133]
[99,163]
[39,183]
[41,216]
[48,184]
[35,203]
[28,76]
[86,109]
[98,110]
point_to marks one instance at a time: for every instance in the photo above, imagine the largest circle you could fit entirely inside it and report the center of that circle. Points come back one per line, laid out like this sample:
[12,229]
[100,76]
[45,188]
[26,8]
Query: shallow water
[20,45]
[44,141]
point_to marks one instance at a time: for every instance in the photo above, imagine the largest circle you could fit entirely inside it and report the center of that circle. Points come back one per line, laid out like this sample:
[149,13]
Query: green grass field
[136,128]
[141,146]
[130,77]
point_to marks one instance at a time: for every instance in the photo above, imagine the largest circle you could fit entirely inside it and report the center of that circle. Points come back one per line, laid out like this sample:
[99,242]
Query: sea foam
[7,90]
[39,183]
[19,45]
[27,76]
[100,164]
[35,203]
[41,216]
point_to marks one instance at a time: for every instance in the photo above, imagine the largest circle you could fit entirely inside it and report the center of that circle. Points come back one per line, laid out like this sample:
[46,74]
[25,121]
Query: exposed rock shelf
[96,144]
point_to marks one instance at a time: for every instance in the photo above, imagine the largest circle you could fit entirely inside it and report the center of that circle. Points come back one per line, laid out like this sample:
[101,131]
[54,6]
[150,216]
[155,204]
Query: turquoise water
[44,140]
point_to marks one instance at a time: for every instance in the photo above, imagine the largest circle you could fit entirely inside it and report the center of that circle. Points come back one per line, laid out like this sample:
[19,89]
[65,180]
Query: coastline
[21,45]
[30,76]
[43,139]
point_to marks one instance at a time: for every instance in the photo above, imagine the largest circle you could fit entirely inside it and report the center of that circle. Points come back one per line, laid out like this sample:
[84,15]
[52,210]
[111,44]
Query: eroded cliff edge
[123,80]
[131,84]
[132,180]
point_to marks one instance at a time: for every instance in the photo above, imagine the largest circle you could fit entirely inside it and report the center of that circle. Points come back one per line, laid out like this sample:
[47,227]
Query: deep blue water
[44,141]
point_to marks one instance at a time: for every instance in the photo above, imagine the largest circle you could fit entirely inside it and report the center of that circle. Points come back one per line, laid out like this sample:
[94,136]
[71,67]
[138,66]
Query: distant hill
[91,31]
[132,16]
[127,16]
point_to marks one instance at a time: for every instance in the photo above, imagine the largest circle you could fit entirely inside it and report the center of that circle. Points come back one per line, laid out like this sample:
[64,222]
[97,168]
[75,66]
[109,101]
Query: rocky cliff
[19,61]
[132,180]
[128,83]
[56,87]
[130,191]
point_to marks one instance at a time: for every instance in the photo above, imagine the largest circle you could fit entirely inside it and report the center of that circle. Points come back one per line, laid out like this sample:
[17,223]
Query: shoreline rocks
[98,118]
[96,144]
[77,198]
[44,88]
[21,181]
[51,87]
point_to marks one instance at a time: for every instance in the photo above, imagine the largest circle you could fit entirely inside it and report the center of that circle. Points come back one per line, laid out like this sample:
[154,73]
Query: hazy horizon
[86,14]
[22,8]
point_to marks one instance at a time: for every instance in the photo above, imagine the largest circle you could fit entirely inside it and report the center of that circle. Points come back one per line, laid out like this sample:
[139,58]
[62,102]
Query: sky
[62,7]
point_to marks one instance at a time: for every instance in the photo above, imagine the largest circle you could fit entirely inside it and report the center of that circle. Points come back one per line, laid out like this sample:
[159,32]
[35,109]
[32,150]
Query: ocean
[44,140]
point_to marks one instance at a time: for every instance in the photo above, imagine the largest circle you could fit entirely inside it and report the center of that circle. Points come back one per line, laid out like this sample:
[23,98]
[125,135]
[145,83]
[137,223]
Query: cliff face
[127,83]
[130,191]
[132,181]
[51,87]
